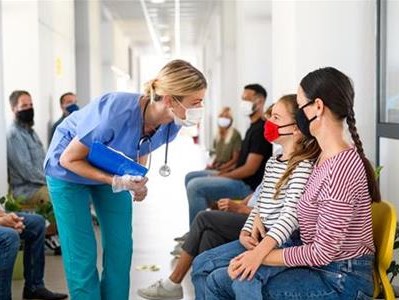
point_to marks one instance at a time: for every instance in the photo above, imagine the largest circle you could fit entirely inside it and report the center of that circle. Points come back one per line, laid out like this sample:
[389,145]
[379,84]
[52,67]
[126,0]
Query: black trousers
[211,229]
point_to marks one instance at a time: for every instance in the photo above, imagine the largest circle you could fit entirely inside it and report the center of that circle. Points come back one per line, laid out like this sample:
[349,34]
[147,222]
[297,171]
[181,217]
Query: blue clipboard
[114,162]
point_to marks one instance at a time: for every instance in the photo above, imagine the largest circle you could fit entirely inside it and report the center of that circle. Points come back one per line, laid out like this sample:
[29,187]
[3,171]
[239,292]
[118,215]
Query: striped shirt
[334,214]
[279,215]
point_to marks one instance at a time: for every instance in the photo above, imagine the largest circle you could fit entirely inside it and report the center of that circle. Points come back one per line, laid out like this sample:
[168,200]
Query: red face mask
[271,131]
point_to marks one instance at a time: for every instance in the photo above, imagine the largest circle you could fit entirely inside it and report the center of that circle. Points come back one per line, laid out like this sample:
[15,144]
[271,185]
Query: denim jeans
[203,189]
[33,235]
[348,279]
[212,265]
[71,203]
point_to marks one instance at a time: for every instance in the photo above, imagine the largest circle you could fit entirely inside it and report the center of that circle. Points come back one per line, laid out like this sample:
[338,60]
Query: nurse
[135,125]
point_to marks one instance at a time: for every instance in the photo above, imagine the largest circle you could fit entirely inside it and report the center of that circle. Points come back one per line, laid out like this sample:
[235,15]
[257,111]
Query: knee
[198,264]
[202,264]
[35,224]
[9,241]
[201,219]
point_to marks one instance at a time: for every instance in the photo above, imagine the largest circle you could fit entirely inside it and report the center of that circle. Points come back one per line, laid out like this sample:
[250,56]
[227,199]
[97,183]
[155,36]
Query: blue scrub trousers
[71,203]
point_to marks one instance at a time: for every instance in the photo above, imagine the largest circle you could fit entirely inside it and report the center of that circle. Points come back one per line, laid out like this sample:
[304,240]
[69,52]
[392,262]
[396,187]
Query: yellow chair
[384,228]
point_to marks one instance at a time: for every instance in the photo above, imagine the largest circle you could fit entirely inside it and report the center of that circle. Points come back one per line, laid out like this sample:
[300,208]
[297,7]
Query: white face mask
[224,122]
[246,107]
[193,116]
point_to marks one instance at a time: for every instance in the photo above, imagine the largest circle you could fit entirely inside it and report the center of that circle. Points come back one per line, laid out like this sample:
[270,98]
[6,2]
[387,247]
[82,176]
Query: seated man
[30,228]
[68,106]
[25,157]
[204,188]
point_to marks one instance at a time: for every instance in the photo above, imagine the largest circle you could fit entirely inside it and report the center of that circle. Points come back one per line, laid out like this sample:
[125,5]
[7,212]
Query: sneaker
[181,239]
[157,291]
[53,244]
[42,293]
[177,251]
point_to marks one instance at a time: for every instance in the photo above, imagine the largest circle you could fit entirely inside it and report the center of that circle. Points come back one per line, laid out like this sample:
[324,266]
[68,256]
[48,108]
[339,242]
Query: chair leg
[386,286]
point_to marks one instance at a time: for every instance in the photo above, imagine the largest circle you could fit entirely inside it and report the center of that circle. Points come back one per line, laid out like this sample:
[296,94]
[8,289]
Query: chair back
[384,229]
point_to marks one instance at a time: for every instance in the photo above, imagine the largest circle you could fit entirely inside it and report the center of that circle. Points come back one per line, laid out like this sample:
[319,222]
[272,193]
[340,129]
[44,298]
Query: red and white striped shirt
[334,213]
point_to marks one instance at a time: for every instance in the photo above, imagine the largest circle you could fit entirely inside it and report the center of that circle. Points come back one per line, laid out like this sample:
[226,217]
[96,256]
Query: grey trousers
[211,229]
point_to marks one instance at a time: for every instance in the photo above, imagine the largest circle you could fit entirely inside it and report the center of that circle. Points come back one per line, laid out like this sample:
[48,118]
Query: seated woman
[227,146]
[283,182]
[227,143]
[334,213]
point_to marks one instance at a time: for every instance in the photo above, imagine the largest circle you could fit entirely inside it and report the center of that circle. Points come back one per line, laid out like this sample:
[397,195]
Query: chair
[384,228]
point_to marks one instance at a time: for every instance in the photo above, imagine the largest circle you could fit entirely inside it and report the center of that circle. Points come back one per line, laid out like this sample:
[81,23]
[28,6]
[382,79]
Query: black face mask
[26,116]
[303,122]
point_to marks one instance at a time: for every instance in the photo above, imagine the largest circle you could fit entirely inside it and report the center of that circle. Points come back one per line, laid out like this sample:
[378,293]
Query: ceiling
[130,15]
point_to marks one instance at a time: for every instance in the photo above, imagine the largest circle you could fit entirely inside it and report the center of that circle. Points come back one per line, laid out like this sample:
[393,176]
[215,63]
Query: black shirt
[254,142]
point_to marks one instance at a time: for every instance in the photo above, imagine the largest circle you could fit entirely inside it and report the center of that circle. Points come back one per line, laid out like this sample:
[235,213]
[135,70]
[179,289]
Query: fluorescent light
[177,28]
[150,25]
[157,1]
[165,39]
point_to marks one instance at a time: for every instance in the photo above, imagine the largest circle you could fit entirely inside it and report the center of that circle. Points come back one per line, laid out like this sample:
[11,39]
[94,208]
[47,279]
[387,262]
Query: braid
[373,188]
[350,120]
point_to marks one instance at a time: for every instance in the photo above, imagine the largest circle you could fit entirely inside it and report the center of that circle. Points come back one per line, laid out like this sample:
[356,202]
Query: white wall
[56,57]
[3,150]
[21,55]
[88,50]
[38,45]
[237,51]
[312,34]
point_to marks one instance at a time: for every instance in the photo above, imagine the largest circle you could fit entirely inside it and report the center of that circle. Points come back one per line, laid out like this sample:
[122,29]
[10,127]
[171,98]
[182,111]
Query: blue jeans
[214,262]
[71,203]
[349,279]
[203,189]
[33,235]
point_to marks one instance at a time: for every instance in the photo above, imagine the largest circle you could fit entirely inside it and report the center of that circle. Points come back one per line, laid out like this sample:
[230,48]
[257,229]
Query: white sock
[170,285]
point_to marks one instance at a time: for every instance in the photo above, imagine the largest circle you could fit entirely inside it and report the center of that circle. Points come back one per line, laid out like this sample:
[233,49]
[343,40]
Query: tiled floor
[157,220]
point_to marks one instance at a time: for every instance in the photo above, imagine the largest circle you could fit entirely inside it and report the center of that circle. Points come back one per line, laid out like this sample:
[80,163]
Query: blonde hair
[306,149]
[226,111]
[178,79]
[268,112]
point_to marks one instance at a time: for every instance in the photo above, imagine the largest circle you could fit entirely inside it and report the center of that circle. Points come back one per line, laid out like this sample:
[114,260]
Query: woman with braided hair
[336,258]
[135,125]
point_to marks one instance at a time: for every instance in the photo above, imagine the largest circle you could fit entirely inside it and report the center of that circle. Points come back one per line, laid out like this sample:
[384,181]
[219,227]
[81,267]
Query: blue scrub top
[114,119]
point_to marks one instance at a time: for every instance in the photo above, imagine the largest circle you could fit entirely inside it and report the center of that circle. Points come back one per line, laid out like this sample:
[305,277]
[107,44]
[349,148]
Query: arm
[18,155]
[332,226]
[74,159]
[229,165]
[250,167]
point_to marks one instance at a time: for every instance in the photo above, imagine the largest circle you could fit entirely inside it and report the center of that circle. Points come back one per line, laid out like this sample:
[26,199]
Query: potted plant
[12,204]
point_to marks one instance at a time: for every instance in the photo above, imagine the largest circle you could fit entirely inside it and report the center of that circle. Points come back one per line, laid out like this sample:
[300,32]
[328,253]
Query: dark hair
[257,88]
[336,91]
[64,95]
[15,96]
[305,149]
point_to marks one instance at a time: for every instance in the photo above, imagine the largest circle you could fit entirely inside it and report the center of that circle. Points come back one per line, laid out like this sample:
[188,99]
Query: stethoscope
[164,170]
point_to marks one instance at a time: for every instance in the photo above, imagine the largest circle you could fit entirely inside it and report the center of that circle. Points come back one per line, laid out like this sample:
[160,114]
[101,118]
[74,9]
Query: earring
[318,118]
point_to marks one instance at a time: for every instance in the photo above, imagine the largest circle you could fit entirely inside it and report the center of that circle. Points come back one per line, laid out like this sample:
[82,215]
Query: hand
[226,204]
[247,240]
[11,220]
[246,265]
[128,183]
[139,195]
[258,229]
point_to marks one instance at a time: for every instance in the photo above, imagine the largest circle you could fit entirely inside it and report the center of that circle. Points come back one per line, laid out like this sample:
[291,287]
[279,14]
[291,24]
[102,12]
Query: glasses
[144,142]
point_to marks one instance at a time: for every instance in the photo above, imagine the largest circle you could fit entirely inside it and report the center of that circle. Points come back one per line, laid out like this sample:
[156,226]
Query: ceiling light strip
[177,28]
[151,29]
